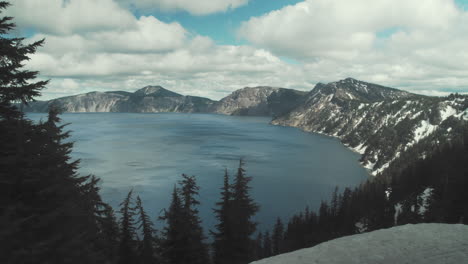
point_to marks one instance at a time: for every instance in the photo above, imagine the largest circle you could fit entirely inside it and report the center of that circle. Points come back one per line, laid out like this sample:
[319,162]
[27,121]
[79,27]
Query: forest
[51,214]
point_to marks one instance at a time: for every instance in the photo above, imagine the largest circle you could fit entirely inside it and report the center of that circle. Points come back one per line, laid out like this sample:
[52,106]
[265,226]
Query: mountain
[378,122]
[259,101]
[417,244]
[147,99]
[385,125]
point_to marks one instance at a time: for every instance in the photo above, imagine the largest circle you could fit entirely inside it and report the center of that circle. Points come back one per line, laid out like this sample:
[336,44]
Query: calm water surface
[148,152]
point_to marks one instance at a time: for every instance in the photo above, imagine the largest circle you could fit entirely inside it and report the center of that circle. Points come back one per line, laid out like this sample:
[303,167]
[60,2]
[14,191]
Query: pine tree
[267,246]
[278,237]
[258,247]
[243,209]
[197,251]
[147,250]
[223,236]
[16,84]
[50,211]
[110,233]
[174,242]
[127,231]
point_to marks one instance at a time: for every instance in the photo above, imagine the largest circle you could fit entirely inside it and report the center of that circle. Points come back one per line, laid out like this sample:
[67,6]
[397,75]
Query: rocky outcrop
[260,101]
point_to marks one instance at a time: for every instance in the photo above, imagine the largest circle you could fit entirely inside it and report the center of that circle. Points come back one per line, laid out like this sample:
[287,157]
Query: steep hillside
[422,243]
[378,122]
[259,101]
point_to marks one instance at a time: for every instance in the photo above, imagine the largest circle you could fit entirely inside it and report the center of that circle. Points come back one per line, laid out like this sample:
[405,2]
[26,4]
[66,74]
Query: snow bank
[416,244]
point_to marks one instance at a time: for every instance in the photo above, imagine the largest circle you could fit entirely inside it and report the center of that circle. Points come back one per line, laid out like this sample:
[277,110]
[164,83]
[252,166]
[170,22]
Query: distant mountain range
[383,124]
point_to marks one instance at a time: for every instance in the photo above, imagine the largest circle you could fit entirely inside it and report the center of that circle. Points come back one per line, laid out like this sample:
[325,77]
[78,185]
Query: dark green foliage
[232,241]
[110,232]
[257,250]
[267,245]
[243,209]
[183,235]
[174,241]
[277,237]
[222,251]
[146,251]
[127,245]
[16,84]
[48,213]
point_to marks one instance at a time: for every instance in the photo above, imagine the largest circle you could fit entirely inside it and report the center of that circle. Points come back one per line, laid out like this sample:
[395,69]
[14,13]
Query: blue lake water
[291,169]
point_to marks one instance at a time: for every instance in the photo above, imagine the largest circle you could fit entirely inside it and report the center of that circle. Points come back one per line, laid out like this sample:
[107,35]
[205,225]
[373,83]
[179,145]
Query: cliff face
[259,101]
[152,99]
[378,122]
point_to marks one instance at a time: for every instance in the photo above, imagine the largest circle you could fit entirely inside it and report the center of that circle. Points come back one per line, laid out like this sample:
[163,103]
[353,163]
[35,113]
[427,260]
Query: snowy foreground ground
[416,244]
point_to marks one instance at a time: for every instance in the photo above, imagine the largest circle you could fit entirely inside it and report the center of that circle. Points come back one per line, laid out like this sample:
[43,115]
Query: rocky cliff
[148,99]
[259,101]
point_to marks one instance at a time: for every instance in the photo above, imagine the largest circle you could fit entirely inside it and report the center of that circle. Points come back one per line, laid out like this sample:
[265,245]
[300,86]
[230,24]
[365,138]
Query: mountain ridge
[378,122]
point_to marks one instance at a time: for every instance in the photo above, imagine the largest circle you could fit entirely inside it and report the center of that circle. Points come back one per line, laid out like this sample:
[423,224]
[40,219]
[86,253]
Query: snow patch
[361,227]
[422,131]
[447,112]
[361,149]
[398,210]
[423,200]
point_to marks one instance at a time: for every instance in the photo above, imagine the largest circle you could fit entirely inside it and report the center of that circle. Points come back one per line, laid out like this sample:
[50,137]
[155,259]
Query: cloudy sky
[212,47]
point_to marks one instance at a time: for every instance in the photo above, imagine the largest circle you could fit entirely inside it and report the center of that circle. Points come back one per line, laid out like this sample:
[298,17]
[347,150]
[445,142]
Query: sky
[212,47]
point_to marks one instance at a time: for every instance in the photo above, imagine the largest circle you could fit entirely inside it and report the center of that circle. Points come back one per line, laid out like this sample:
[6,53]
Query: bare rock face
[152,99]
[259,101]
[246,101]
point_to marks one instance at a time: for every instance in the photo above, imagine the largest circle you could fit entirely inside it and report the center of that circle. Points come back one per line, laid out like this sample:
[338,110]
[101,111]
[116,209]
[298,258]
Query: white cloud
[82,57]
[105,47]
[198,7]
[148,35]
[70,16]
[405,43]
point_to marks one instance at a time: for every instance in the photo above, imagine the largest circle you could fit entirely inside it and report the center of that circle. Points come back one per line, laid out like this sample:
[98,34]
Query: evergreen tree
[258,247]
[127,231]
[110,233]
[223,236]
[197,251]
[267,246]
[174,243]
[278,237]
[50,211]
[16,84]
[243,209]
[147,248]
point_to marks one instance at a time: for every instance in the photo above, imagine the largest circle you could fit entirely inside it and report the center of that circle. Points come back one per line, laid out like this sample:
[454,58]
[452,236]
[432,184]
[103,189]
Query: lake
[291,169]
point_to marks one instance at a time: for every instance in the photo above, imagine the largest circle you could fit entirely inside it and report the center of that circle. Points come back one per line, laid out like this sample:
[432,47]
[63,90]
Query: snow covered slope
[378,122]
[415,244]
